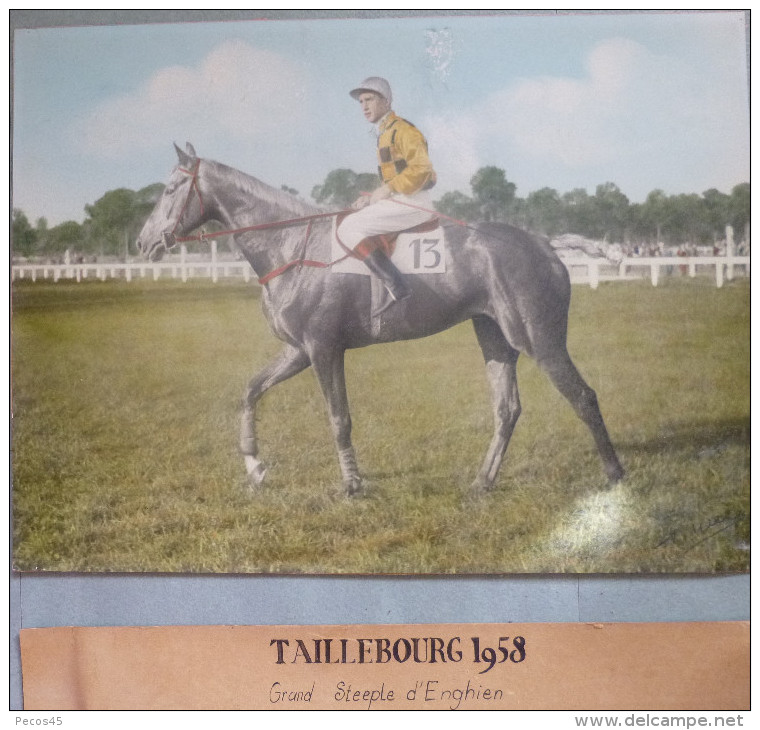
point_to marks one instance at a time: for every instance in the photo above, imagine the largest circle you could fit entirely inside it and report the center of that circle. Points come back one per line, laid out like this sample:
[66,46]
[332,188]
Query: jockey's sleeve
[418,172]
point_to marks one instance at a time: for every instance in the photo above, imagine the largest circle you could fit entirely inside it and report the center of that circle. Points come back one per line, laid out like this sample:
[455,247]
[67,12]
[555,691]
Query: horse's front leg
[289,362]
[329,368]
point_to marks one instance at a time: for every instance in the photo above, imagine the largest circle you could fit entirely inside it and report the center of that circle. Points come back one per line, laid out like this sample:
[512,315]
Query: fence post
[719,274]
[730,253]
[655,272]
[214,272]
[183,261]
[593,274]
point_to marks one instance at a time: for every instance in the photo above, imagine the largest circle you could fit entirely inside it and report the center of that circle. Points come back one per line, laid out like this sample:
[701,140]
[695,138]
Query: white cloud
[575,121]
[237,91]
[632,114]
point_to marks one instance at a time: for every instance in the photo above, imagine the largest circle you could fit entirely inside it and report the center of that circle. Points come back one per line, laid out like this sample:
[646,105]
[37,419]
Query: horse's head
[178,211]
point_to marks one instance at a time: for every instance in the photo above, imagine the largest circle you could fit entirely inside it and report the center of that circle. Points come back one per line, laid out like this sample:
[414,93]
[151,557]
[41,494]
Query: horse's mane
[259,190]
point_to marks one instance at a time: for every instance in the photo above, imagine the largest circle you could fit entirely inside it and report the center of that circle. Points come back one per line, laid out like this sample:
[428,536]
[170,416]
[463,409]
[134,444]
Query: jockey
[407,175]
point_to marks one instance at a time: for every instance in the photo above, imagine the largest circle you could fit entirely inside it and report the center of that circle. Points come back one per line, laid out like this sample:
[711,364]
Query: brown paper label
[653,666]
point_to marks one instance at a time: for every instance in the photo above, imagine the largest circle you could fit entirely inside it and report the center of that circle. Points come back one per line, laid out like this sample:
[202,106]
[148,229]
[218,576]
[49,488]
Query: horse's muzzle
[156,250]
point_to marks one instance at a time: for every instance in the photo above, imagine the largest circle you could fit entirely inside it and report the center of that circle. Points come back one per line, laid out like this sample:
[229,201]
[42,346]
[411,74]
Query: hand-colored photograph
[362,294]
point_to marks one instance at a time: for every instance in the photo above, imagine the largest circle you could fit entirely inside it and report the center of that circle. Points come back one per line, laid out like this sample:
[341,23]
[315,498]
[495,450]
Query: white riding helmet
[375,84]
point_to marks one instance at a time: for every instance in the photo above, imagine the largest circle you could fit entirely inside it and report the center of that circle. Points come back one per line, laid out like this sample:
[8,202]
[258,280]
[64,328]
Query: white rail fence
[176,270]
[582,269]
[725,266]
[591,271]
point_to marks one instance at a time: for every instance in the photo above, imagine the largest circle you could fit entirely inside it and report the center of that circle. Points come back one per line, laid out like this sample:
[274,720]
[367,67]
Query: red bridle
[203,237]
[301,261]
[193,186]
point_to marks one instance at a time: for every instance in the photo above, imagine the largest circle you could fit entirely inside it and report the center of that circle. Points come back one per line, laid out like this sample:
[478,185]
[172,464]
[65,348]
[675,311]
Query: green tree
[41,226]
[612,212]
[458,205]
[23,235]
[113,219]
[493,193]
[739,209]
[67,235]
[716,211]
[342,187]
[543,212]
[653,215]
[686,220]
[580,213]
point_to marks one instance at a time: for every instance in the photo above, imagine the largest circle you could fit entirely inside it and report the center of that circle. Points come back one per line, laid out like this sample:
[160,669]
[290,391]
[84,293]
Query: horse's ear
[190,150]
[184,159]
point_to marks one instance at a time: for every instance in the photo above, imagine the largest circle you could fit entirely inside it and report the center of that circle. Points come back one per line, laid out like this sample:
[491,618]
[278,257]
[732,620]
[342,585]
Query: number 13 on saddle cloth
[420,250]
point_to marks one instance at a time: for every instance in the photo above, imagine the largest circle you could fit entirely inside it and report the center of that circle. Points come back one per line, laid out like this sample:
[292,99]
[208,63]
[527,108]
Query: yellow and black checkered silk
[402,154]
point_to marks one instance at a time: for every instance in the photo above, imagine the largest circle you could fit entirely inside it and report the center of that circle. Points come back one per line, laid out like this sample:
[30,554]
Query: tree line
[110,227]
[113,222]
[606,215]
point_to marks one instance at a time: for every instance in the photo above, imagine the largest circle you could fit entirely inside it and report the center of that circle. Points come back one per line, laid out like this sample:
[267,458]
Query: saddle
[386,242]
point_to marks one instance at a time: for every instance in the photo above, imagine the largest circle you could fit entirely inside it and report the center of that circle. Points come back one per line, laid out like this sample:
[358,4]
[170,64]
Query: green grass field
[126,406]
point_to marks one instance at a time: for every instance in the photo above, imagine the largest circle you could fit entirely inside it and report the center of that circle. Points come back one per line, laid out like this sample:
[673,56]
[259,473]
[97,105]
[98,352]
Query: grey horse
[509,282]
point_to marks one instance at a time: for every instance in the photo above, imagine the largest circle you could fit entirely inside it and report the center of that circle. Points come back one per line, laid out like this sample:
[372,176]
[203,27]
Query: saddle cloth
[419,250]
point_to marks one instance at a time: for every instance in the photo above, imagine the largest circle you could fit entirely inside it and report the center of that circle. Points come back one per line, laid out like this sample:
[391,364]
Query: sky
[644,100]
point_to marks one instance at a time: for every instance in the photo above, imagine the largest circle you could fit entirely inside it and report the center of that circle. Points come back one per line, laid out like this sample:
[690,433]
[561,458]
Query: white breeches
[386,216]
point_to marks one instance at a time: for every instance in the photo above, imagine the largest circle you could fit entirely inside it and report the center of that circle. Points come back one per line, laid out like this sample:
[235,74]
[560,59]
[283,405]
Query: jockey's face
[374,106]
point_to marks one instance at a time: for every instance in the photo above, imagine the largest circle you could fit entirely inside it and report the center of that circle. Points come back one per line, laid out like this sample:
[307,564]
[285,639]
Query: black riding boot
[382,267]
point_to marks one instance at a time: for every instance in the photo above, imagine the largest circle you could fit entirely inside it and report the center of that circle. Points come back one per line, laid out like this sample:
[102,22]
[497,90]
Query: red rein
[301,261]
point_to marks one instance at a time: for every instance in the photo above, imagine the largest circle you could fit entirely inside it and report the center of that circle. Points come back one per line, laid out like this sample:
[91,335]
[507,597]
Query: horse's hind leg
[501,369]
[571,384]
[290,362]
[329,367]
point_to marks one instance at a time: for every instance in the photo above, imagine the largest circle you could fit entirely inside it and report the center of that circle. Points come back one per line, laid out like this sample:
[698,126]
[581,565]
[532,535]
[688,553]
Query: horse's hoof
[615,476]
[480,487]
[354,487]
[256,471]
